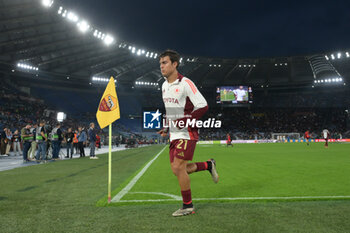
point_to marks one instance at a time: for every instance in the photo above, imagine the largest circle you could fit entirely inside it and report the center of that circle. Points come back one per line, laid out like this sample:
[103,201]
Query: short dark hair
[173,55]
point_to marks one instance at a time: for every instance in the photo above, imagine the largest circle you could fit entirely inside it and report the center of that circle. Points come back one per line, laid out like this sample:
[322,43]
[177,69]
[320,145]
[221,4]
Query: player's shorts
[228,142]
[182,149]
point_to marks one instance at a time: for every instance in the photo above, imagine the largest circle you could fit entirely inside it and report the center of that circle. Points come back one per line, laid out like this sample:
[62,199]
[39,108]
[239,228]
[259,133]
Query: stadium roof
[48,40]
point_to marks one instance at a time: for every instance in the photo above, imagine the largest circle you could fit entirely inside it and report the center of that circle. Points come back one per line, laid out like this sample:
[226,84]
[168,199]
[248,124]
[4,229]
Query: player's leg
[187,153]
[209,165]
[326,144]
[178,166]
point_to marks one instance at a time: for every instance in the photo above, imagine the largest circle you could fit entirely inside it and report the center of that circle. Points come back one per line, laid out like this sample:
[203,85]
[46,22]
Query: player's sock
[187,199]
[209,165]
[202,166]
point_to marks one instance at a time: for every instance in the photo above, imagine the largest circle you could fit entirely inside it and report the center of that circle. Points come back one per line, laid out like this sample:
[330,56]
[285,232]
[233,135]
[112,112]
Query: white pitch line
[127,188]
[175,197]
[247,198]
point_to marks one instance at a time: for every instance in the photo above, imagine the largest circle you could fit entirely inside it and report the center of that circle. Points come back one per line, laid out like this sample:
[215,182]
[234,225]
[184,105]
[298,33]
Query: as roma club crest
[108,104]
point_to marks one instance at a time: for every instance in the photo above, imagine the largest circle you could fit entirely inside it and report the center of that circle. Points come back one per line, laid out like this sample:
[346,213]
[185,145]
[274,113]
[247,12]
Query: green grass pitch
[229,96]
[255,171]
[68,196]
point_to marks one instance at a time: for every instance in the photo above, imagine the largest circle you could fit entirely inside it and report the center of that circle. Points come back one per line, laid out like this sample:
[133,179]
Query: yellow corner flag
[108,109]
[107,113]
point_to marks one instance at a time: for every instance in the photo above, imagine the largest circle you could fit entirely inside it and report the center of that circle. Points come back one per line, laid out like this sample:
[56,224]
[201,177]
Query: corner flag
[108,109]
[107,113]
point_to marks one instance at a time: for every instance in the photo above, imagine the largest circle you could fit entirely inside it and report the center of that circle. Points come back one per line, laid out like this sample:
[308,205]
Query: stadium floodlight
[151,54]
[83,26]
[61,116]
[60,10]
[138,52]
[108,40]
[327,58]
[72,17]
[155,55]
[341,79]
[332,56]
[339,55]
[64,14]
[47,3]
[321,81]
[347,54]
[143,51]
[333,79]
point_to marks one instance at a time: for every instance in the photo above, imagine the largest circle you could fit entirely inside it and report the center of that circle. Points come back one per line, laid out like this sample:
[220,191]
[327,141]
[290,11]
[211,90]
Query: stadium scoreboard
[234,95]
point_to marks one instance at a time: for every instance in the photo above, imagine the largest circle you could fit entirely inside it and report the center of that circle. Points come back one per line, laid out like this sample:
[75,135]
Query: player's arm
[197,99]
[164,131]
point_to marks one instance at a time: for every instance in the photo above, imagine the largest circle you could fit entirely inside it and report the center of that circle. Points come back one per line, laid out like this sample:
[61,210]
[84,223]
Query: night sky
[231,29]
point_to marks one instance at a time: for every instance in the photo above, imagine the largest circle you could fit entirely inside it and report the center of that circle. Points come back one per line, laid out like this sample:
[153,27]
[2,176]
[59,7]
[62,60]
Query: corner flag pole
[108,112]
[110,163]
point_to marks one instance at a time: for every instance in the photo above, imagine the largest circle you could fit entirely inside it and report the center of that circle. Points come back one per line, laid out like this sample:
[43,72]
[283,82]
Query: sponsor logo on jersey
[171,100]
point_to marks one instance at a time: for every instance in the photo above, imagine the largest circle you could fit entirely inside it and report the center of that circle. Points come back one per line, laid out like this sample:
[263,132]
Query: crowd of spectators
[245,123]
[18,109]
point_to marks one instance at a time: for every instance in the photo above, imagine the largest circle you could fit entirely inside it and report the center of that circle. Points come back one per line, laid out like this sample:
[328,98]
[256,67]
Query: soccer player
[225,94]
[240,94]
[326,134]
[181,97]
[307,136]
[228,141]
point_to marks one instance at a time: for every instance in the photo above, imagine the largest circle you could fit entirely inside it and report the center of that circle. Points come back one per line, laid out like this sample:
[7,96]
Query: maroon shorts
[182,149]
